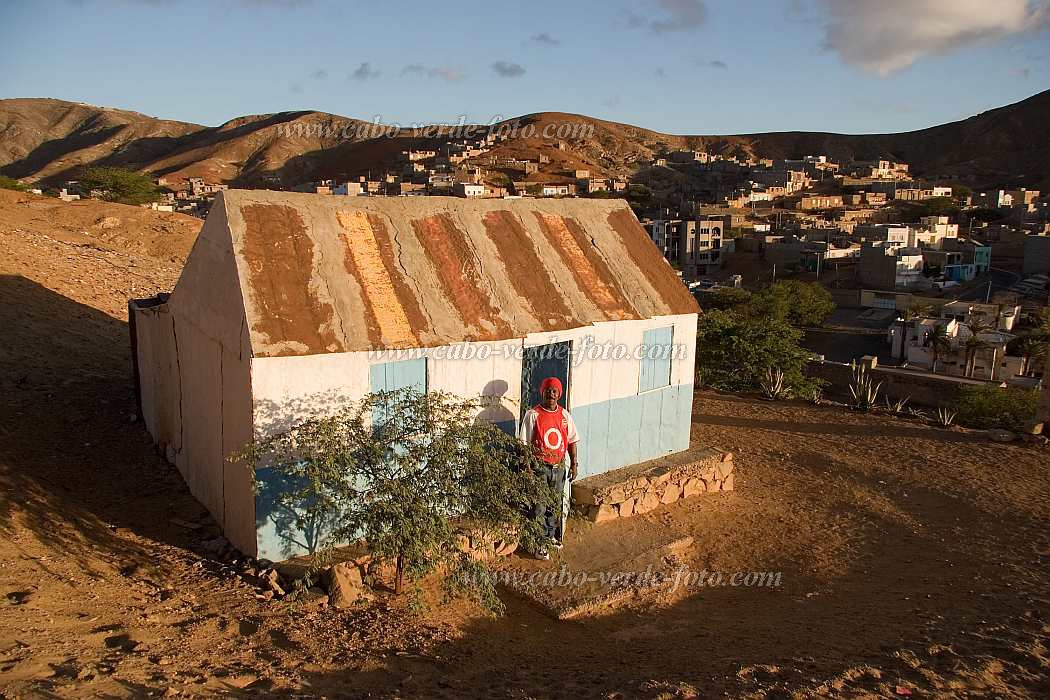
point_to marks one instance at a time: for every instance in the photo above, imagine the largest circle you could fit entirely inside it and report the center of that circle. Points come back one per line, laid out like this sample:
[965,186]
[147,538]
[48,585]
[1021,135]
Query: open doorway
[540,362]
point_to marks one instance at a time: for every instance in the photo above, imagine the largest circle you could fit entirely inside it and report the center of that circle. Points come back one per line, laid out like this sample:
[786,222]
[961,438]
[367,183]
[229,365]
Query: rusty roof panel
[326,273]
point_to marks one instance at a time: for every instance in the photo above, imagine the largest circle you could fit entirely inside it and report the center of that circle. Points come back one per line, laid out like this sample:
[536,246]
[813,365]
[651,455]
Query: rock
[504,548]
[727,483]
[217,546]
[1033,427]
[627,508]
[617,494]
[346,585]
[604,512]
[999,435]
[658,479]
[647,502]
[692,487]
[671,493]
[273,581]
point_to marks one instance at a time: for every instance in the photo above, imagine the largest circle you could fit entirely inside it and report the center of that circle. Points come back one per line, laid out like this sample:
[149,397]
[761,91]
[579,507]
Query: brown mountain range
[50,140]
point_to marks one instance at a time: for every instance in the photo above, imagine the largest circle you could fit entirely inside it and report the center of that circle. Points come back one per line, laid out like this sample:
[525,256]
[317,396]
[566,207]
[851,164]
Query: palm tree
[974,344]
[940,344]
[1029,348]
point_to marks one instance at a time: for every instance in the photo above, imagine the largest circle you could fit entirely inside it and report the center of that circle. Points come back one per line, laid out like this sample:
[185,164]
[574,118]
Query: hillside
[49,139]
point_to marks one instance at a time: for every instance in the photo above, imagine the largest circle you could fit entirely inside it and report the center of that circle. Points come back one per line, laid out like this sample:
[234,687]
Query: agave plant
[863,389]
[899,406]
[945,417]
[773,385]
[814,395]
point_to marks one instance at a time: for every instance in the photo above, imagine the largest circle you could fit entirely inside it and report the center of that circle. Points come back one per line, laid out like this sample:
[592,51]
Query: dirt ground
[912,559]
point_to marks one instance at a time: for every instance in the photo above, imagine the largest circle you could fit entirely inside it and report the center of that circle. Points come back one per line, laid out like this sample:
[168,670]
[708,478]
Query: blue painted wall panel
[597,438]
[669,418]
[649,434]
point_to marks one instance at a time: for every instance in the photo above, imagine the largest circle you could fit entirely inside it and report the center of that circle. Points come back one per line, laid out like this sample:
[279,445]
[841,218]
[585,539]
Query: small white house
[291,305]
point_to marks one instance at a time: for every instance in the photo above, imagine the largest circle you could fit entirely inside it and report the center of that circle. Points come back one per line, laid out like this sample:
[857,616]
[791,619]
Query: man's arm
[572,437]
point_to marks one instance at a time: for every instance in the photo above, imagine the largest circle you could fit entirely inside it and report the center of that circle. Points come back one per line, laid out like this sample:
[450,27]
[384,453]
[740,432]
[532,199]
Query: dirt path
[909,556]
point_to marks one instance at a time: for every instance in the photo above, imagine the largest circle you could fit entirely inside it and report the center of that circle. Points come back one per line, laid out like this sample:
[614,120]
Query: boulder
[692,487]
[671,494]
[346,585]
[627,508]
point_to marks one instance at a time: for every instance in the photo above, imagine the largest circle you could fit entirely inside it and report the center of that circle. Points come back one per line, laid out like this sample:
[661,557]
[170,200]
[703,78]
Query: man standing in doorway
[551,431]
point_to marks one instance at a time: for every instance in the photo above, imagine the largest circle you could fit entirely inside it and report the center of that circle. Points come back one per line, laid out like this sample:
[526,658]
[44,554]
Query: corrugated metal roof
[323,273]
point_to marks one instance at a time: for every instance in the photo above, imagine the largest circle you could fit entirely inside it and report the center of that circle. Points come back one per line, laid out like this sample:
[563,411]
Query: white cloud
[667,15]
[890,35]
[447,73]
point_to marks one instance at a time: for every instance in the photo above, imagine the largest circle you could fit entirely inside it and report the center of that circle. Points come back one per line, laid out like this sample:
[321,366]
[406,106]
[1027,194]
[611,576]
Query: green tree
[120,185]
[736,351]
[412,476]
[802,304]
[9,183]
[723,298]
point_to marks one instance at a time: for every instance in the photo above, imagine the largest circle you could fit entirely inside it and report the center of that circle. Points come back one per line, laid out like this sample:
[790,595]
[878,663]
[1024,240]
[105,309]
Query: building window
[657,348]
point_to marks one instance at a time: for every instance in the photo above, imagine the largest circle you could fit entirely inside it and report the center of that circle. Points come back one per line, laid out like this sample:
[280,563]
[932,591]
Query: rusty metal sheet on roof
[322,273]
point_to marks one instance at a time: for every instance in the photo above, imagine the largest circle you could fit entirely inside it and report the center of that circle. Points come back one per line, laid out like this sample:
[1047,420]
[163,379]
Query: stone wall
[642,487]
[920,388]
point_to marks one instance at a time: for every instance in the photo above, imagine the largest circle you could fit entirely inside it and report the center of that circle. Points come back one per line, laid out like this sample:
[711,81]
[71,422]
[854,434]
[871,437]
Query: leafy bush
[988,406]
[723,298]
[803,304]
[735,352]
[120,185]
[8,183]
[412,475]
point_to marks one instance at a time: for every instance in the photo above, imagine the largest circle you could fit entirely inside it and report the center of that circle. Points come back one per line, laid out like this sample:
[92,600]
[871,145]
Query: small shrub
[988,406]
[772,385]
[945,417]
[409,474]
[9,183]
[864,390]
[898,406]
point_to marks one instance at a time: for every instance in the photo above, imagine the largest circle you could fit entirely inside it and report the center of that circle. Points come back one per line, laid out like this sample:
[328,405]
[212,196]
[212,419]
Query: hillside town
[948,269]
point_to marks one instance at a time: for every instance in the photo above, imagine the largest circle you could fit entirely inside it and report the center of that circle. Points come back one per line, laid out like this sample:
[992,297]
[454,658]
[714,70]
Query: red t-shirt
[549,432]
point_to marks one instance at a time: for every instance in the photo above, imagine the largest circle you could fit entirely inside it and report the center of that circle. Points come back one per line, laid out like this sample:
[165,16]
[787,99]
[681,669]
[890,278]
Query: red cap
[551,382]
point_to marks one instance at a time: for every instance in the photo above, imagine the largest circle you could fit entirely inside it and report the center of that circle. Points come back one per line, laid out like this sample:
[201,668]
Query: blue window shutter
[391,376]
[656,371]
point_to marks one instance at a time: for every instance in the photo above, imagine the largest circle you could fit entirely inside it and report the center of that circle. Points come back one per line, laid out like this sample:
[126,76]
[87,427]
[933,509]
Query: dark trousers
[552,517]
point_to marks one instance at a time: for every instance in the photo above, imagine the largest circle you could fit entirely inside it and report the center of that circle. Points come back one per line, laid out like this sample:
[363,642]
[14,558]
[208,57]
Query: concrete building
[973,252]
[468,189]
[889,267]
[349,189]
[889,235]
[809,202]
[291,305]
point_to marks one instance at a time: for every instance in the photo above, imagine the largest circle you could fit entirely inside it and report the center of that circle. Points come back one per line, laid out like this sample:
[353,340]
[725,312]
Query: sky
[676,66]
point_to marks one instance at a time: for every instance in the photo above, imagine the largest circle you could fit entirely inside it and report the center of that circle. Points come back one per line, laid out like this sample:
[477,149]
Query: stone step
[639,488]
